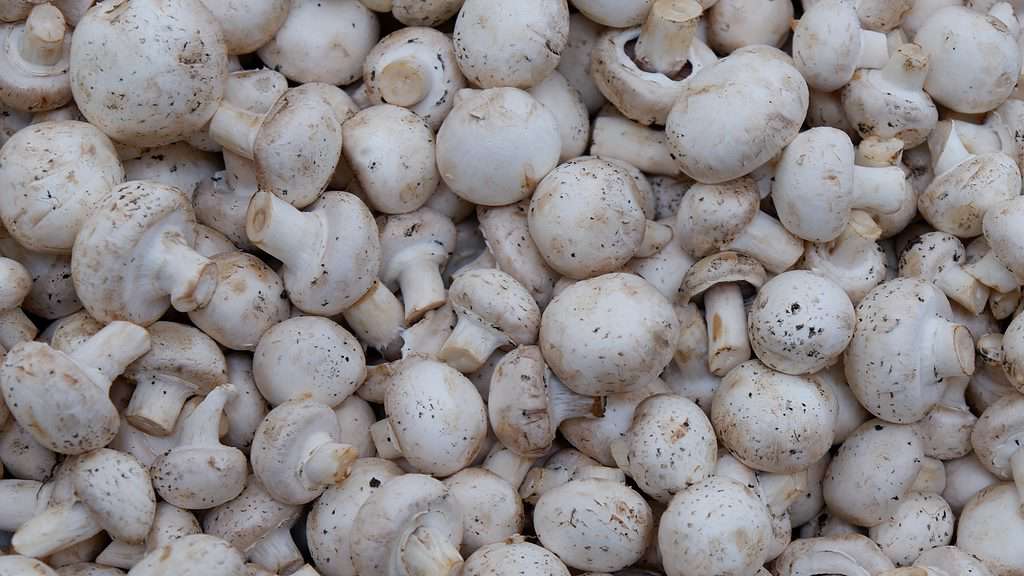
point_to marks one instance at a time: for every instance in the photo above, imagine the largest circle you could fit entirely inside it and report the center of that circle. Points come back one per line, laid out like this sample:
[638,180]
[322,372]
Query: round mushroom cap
[923,520]
[800,322]
[615,13]
[991,527]
[14,565]
[596,436]
[957,200]
[248,26]
[245,520]
[437,417]
[737,114]
[953,557]
[492,510]
[184,353]
[496,145]
[519,403]
[144,83]
[998,433]
[804,554]
[718,526]
[511,558]
[178,165]
[927,255]
[35,86]
[733,24]
[308,358]
[711,216]
[827,44]
[721,268]
[594,524]
[15,284]
[192,555]
[51,175]
[323,41]
[506,232]
[608,334]
[502,44]
[586,219]
[118,492]
[1002,225]
[496,299]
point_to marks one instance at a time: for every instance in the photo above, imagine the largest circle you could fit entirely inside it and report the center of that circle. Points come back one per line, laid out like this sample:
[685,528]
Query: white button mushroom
[21,455]
[965,477]
[34,61]
[644,147]
[569,110]
[996,438]
[170,523]
[15,565]
[414,250]
[512,557]
[506,232]
[943,558]
[558,469]
[991,526]
[575,61]
[178,165]
[249,26]
[615,13]
[15,285]
[733,24]
[841,554]
[937,256]
[492,510]
[195,555]
[829,44]
[920,522]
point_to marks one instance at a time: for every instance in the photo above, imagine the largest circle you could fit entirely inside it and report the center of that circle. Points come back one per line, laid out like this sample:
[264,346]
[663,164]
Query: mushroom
[766,99]
[331,525]
[502,45]
[511,557]
[666,267]
[88,569]
[131,264]
[15,285]
[904,348]
[248,27]
[34,61]
[718,526]
[719,280]
[355,417]
[594,523]
[669,446]
[688,375]
[414,250]
[507,235]
[644,147]
[608,334]
[995,260]
[944,557]
[996,436]
[322,41]
[829,44]
[816,175]
[182,362]
[952,38]
[841,554]
[570,113]
[575,61]
[51,176]
[937,256]
[169,523]
[414,68]
[409,526]
[492,510]
[71,414]
[112,492]
[210,242]
[194,555]
[990,526]
[14,565]
[558,469]
[965,477]
[800,322]
[733,24]
[436,419]
[920,522]
[875,468]
[201,473]
[614,13]
[178,165]
[296,453]
[144,84]
[496,145]
[308,358]
[21,455]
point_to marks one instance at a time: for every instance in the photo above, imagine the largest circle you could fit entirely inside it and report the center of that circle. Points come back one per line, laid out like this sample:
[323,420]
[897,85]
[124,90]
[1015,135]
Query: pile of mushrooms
[511,287]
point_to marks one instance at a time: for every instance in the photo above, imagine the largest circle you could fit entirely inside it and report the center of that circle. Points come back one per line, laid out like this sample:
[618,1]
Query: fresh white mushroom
[34,61]
[829,44]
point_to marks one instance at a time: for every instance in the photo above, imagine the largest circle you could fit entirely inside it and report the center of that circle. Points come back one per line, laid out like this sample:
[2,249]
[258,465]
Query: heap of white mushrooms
[511,288]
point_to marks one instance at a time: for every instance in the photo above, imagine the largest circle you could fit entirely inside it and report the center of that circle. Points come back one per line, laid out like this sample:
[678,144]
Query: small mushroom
[34,61]
[492,510]
[841,554]
[15,285]
[255,523]
[507,235]
[414,250]
[990,527]
[920,522]
[937,256]
[829,44]
[195,555]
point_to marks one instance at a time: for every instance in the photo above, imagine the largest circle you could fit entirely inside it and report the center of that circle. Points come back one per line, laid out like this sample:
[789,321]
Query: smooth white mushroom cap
[843,554]
[564,100]
[250,518]
[511,558]
[507,235]
[118,492]
[990,527]
[828,45]
[921,521]
[248,26]
[615,13]
[575,62]
[492,510]
[942,557]
[733,24]
[195,555]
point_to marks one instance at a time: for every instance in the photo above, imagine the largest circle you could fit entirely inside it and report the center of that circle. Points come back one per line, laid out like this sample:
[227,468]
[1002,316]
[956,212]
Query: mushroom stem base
[187,276]
[952,349]
[992,273]
[329,464]
[422,287]
[765,240]
[277,552]
[113,348]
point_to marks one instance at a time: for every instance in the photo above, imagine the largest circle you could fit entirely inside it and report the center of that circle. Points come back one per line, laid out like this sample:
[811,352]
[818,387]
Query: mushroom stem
[952,349]
[566,404]
[992,273]
[277,552]
[120,554]
[236,128]
[780,490]
[952,153]
[509,466]
[931,478]
[874,49]
[156,403]
[112,349]
[377,318]
[828,562]
[646,148]
[404,82]
[385,440]
[329,464]
[202,427]
[42,41]
[427,552]
[189,277]
[878,190]
[954,396]
[15,327]
[960,286]
[656,236]
[470,345]
[54,529]
[422,287]
[1017,468]
[280,229]
[666,36]
[908,68]
[19,501]
[726,319]
[767,241]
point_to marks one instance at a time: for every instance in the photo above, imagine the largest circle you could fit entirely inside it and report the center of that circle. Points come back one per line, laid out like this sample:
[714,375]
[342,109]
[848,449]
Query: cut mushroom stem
[42,41]
[280,229]
[377,318]
[236,129]
[426,551]
[907,68]
[726,318]
[329,464]
[470,345]
[666,36]
[186,275]
[112,349]
[878,189]
[962,287]
[422,287]
[158,404]
[953,349]
[656,237]
[404,82]
[54,529]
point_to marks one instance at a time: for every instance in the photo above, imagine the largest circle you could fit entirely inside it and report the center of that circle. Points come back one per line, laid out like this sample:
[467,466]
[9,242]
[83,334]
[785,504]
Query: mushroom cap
[88,569]
[957,200]
[586,218]
[874,468]
[857,549]
[500,44]
[248,26]
[928,254]
[424,233]
[391,508]
[998,434]
[323,41]
[670,446]
[308,358]
[737,114]
[496,299]
[192,555]
[711,216]
[721,268]
[1013,353]
[800,322]
[615,13]
[565,102]
[953,557]
[14,565]
[718,526]
[771,421]
[511,558]
[956,39]
[182,352]
[991,527]
[284,441]
[51,175]
[575,59]
[507,235]
[15,284]
[437,416]
[733,24]
[827,44]
[32,86]
[69,414]
[519,403]
[245,520]
[178,165]
[608,334]
[594,524]
[1002,224]
[496,145]
[595,436]
[492,510]
[921,521]
[117,489]
[143,83]
[200,477]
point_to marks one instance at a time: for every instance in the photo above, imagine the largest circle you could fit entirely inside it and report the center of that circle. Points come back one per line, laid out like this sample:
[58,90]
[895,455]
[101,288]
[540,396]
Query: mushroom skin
[841,554]
[937,256]
[995,439]
[34,61]
[990,525]
[829,45]
[247,28]
[511,557]
[492,511]
[922,521]
[194,555]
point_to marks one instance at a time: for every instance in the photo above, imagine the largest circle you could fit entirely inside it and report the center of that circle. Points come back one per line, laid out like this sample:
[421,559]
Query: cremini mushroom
[829,44]
[34,61]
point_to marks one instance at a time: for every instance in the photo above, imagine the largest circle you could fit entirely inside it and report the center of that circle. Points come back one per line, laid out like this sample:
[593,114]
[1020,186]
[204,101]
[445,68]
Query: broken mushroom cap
[829,44]
[496,145]
[34,61]
[494,312]
[197,554]
[296,453]
[414,249]
[990,527]
[507,235]
[939,258]
[71,414]
[51,175]
[839,554]
[511,557]
[903,349]
[143,84]
[766,99]
[436,419]
[608,334]
[800,322]
[996,437]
